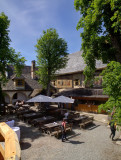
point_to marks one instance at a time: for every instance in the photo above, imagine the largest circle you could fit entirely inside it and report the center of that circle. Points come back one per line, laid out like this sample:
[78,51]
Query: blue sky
[28,19]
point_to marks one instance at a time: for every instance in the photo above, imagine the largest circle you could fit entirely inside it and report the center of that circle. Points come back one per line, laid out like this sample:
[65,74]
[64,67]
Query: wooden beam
[2,139]
[12,148]
[1,157]
[4,129]
[2,149]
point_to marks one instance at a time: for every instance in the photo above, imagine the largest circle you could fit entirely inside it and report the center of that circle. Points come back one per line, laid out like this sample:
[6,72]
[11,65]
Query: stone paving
[92,143]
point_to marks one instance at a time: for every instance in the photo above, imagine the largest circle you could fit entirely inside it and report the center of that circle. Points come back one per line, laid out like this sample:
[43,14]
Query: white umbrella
[40,98]
[63,99]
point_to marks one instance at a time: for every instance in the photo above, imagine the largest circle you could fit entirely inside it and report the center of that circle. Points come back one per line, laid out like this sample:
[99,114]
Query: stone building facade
[70,82]
[20,88]
[72,75]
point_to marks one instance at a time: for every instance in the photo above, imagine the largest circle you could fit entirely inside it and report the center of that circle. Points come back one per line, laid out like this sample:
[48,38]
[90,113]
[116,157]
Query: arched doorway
[7,98]
[19,96]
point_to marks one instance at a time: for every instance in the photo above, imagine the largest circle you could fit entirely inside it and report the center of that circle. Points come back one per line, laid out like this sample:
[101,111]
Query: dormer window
[19,82]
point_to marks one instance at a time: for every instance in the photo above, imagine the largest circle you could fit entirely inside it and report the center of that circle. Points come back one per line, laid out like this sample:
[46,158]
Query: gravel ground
[92,143]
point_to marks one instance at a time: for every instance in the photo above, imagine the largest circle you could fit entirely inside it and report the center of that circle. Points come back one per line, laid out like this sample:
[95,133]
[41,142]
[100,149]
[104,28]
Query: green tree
[101,34]
[112,87]
[101,40]
[51,56]
[7,54]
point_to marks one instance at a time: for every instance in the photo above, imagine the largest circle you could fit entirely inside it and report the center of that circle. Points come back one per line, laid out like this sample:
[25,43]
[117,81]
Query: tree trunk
[48,89]
[117,45]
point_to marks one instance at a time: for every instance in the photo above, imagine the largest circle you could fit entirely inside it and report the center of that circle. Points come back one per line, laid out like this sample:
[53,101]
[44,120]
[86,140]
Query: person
[113,129]
[17,104]
[58,105]
[66,115]
[63,128]
[22,102]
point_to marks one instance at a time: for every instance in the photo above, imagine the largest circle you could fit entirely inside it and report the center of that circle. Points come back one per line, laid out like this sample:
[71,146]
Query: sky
[28,19]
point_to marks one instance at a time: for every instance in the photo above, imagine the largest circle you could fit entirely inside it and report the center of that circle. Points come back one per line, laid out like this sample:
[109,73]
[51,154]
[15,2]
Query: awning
[40,98]
[63,99]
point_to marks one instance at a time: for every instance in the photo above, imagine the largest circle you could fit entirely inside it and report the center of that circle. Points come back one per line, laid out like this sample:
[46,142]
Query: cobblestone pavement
[92,143]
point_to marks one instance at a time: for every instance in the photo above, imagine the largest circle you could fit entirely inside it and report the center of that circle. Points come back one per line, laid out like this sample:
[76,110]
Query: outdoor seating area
[48,118]
[47,122]
[50,121]
[12,108]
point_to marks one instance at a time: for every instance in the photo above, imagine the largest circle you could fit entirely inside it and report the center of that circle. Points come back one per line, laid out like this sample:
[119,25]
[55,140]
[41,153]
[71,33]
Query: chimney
[33,69]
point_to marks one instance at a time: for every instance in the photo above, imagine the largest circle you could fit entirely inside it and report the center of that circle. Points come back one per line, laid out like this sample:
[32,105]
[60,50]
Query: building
[70,82]
[72,75]
[21,88]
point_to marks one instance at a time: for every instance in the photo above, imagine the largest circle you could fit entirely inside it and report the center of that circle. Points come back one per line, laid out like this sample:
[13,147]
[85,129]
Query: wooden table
[31,116]
[48,128]
[79,119]
[58,113]
[26,106]
[42,120]
[55,128]
[20,113]
[11,108]
[49,109]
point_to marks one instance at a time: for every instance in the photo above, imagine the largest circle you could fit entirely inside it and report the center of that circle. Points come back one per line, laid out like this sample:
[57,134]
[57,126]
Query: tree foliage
[7,53]
[51,56]
[101,35]
[112,87]
[101,40]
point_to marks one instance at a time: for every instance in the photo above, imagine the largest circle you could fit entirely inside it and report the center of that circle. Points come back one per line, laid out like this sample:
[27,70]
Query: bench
[43,129]
[57,132]
[84,124]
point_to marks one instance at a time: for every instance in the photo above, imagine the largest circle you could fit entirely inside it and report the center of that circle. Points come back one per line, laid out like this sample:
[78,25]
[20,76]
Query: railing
[9,144]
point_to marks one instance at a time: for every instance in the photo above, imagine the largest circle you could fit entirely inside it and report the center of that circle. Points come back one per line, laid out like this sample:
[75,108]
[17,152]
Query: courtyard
[92,143]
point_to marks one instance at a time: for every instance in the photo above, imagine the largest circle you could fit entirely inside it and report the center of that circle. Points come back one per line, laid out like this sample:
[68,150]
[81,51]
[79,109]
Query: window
[58,82]
[76,82]
[68,83]
[19,82]
[61,83]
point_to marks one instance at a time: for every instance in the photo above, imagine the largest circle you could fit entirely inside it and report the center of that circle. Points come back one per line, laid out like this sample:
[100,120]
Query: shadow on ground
[26,131]
[74,142]
[92,126]
[117,139]
[88,127]
[25,145]
[72,134]
[29,132]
